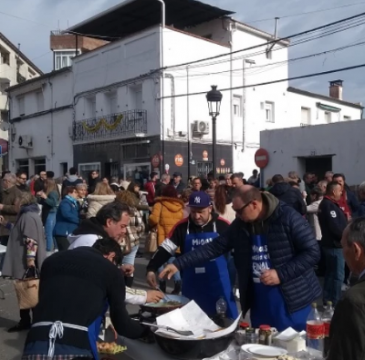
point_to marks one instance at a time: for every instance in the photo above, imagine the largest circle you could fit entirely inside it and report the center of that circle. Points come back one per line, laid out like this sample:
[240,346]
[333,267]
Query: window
[64,58]
[4,56]
[327,117]
[347,118]
[305,116]
[112,102]
[39,165]
[21,105]
[237,105]
[86,168]
[269,112]
[91,106]
[31,73]
[40,101]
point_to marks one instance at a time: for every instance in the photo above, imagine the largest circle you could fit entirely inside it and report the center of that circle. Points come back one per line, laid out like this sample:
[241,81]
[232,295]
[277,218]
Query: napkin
[289,334]
[192,317]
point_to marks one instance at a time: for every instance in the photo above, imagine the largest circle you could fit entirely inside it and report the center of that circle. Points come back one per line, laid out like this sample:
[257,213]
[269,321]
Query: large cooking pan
[194,349]
[162,308]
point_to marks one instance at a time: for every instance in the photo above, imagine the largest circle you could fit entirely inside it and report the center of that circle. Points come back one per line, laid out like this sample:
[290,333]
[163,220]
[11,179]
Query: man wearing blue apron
[76,288]
[209,281]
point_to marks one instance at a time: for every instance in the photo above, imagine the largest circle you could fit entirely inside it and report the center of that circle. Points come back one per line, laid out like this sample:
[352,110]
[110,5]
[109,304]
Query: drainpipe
[173,101]
[162,86]
[52,132]
[231,86]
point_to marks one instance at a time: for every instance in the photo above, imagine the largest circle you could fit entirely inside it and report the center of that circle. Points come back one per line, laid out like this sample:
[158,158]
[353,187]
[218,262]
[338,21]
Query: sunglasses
[239,211]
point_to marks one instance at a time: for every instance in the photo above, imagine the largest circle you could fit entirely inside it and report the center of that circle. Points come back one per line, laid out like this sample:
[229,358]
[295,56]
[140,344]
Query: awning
[328,107]
[133,16]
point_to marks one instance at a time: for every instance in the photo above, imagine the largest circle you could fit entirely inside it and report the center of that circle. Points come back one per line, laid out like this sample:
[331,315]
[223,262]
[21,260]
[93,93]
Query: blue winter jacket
[67,218]
[293,251]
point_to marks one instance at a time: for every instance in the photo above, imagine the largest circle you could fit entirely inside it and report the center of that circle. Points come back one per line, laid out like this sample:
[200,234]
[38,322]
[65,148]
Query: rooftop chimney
[336,89]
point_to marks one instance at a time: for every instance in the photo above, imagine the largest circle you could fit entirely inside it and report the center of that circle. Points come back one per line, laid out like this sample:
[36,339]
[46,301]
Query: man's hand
[269,277]
[2,220]
[128,269]
[1,206]
[151,279]
[168,271]
[154,296]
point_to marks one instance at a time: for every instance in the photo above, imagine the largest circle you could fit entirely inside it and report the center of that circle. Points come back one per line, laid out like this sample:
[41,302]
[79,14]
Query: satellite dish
[4,126]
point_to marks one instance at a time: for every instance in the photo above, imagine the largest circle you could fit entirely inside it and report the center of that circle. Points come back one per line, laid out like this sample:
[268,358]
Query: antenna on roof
[18,46]
[276,33]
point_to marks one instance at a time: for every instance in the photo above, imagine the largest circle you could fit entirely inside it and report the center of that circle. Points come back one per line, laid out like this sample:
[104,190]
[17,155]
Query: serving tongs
[167,328]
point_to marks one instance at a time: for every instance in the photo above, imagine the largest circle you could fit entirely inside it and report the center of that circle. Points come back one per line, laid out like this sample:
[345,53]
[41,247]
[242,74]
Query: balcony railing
[125,124]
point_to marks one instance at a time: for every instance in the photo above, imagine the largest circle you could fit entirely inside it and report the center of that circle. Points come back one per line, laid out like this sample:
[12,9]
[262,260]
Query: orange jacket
[165,214]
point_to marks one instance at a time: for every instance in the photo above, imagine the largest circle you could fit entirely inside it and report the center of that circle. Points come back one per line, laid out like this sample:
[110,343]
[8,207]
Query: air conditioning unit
[25,142]
[200,127]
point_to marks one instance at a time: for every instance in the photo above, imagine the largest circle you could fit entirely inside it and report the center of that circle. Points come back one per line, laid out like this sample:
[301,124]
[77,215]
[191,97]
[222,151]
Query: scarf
[73,200]
[342,203]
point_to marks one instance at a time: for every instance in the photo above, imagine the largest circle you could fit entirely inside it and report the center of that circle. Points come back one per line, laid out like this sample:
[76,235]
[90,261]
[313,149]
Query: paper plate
[266,351]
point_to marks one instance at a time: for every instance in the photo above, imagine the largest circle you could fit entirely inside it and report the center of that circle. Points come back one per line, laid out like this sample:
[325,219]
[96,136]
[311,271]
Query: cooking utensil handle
[155,326]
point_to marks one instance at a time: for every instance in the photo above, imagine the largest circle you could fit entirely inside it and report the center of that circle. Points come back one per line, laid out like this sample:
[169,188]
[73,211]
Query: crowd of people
[213,235]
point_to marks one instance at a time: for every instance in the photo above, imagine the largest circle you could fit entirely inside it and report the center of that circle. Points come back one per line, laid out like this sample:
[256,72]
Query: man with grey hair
[347,332]
[164,181]
[9,207]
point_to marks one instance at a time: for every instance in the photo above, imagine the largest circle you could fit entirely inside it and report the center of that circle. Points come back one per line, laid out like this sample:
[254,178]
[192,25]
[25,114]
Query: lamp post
[214,98]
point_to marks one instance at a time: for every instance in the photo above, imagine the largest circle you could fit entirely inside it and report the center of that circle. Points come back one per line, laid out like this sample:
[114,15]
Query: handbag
[27,289]
[152,240]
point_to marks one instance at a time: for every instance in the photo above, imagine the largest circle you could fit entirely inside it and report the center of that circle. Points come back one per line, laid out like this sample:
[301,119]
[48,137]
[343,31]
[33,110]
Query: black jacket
[290,195]
[347,332]
[73,289]
[293,251]
[333,222]
[176,239]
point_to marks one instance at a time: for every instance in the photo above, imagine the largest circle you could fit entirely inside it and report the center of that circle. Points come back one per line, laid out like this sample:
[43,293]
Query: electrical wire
[270,82]
[274,63]
[313,37]
[308,12]
[21,18]
[272,42]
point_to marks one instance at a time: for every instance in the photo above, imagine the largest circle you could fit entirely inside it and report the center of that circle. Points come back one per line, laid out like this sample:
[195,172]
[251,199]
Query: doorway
[111,169]
[318,165]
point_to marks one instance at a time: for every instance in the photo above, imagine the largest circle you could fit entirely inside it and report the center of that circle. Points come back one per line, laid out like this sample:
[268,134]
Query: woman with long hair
[49,199]
[166,213]
[140,203]
[26,248]
[135,230]
[223,203]
[102,195]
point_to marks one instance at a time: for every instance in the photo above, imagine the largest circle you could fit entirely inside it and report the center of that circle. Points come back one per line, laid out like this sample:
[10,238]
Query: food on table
[173,303]
[110,348]
[285,357]
[166,304]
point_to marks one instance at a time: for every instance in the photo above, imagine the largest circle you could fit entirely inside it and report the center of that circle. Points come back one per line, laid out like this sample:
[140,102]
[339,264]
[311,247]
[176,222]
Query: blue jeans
[50,224]
[334,275]
[175,277]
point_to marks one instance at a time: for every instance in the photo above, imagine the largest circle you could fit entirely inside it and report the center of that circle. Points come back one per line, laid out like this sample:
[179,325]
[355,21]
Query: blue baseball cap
[199,199]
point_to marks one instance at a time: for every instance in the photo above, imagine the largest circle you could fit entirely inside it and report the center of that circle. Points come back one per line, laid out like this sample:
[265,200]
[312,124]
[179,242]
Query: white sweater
[312,211]
[132,296]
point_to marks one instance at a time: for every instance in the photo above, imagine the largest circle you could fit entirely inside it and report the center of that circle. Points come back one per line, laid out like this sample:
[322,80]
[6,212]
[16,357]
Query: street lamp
[214,98]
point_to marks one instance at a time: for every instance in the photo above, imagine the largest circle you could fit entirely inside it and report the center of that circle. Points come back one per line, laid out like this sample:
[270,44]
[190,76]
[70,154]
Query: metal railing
[122,125]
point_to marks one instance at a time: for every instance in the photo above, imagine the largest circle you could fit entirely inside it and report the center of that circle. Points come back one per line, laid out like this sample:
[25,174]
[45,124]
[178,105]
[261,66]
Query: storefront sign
[261,158]
[205,155]
[155,161]
[223,170]
[223,162]
[179,160]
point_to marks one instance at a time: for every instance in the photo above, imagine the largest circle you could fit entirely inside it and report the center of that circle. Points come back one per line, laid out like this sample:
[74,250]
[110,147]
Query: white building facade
[40,134]
[139,103]
[15,68]
[337,147]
